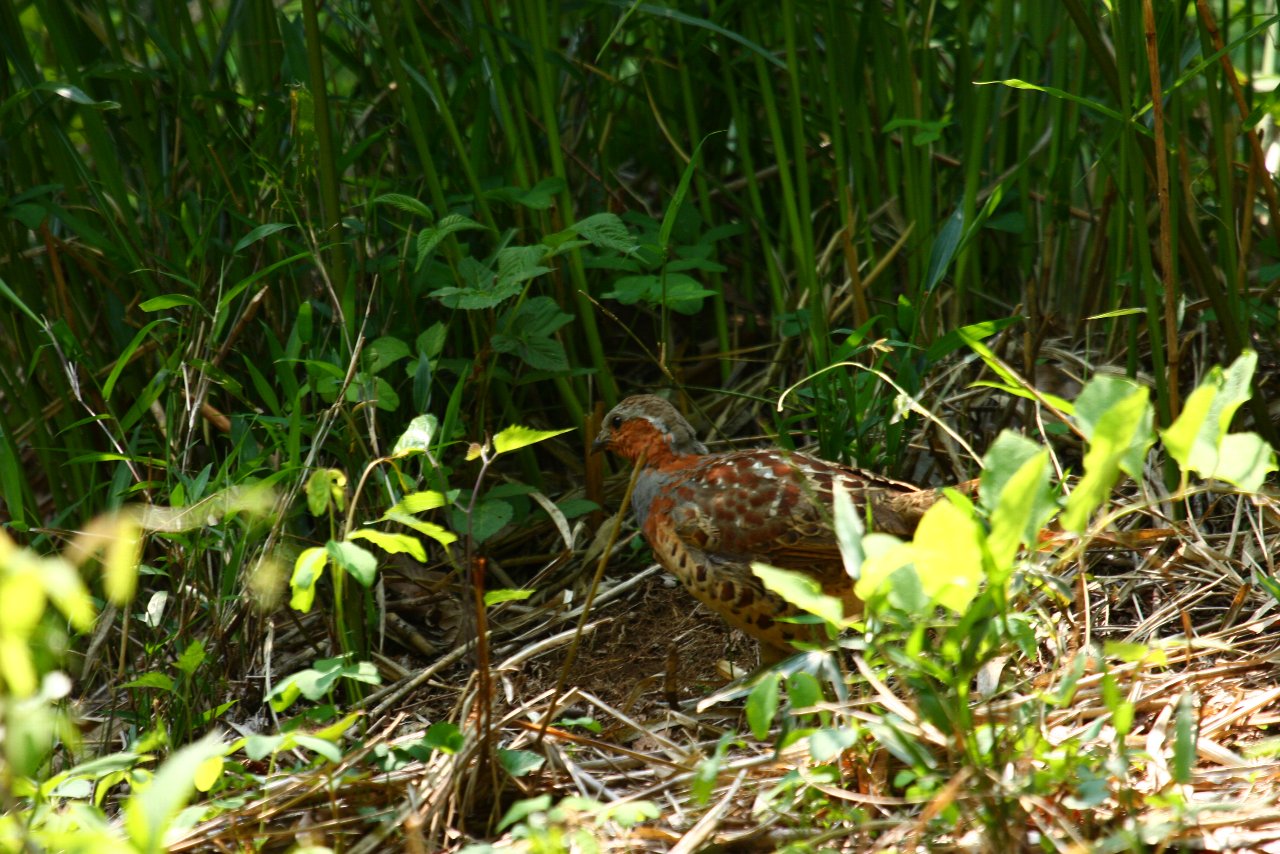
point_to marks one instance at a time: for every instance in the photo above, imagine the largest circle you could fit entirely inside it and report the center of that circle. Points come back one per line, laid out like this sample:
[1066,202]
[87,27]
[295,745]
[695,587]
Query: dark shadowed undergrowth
[310,310]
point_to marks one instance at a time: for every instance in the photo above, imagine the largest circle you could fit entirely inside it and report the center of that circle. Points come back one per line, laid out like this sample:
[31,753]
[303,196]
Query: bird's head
[646,424]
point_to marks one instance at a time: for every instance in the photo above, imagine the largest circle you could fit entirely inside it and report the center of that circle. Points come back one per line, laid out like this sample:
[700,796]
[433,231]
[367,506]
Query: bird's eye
[615,422]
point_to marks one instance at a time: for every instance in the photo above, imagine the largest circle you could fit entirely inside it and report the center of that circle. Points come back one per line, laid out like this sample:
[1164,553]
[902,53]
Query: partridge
[708,516]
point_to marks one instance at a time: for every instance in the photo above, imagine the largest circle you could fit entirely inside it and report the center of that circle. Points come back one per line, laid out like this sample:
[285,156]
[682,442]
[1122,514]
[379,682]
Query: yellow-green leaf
[802,591]
[948,555]
[515,437]
[392,543]
[121,564]
[307,571]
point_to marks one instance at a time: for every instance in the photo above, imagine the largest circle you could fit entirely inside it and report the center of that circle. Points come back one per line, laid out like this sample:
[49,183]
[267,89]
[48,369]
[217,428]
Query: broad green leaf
[431,237]
[392,543]
[208,772]
[405,203]
[357,562]
[326,486]
[540,197]
[1096,399]
[516,437]
[1025,504]
[1119,430]
[521,810]
[417,438]
[443,736]
[192,657]
[518,763]
[826,745]
[762,704]
[486,519]
[947,552]
[383,352]
[1245,459]
[802,591]
[1199,441]
[307,570]
[803,690]
[607,231]
[67,590]
[885,556]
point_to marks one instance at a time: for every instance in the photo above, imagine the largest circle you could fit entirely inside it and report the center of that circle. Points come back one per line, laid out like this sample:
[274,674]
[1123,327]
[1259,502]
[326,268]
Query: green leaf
[164,301]
[326,486]
[486,519]
[849,530]
[677,198]
[516,437]
[494,597]
[947,553]
[307,571]
[429,238]
[521,810]
[527,333]
[440,534]
[405,203]
[416,438]
[1244,460]
[151,680]
[762,704]
[681,294]
[1014,83]
[444,736]
[1024,496]
[1118,432]
[518,763]
[381,353]
[944,249]
[417,502]
[607,231]
[1184,739]
[1099,395]
[802,591]
[631,813]
[540,197]
[392,543]
[803,690]
[74,94]
[1198,439]
[192,657]
[826,745]
[262,231]
[359,563]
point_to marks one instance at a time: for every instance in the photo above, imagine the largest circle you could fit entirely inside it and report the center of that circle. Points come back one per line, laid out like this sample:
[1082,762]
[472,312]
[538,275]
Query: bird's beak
[601,442]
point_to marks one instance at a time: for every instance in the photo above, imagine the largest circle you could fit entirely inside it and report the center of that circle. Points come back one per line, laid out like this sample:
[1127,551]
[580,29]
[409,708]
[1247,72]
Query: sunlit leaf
[515,437]
[307,570]
[392,543]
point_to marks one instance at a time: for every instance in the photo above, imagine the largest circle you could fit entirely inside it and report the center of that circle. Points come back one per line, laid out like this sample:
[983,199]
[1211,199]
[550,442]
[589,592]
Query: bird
[708,516]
